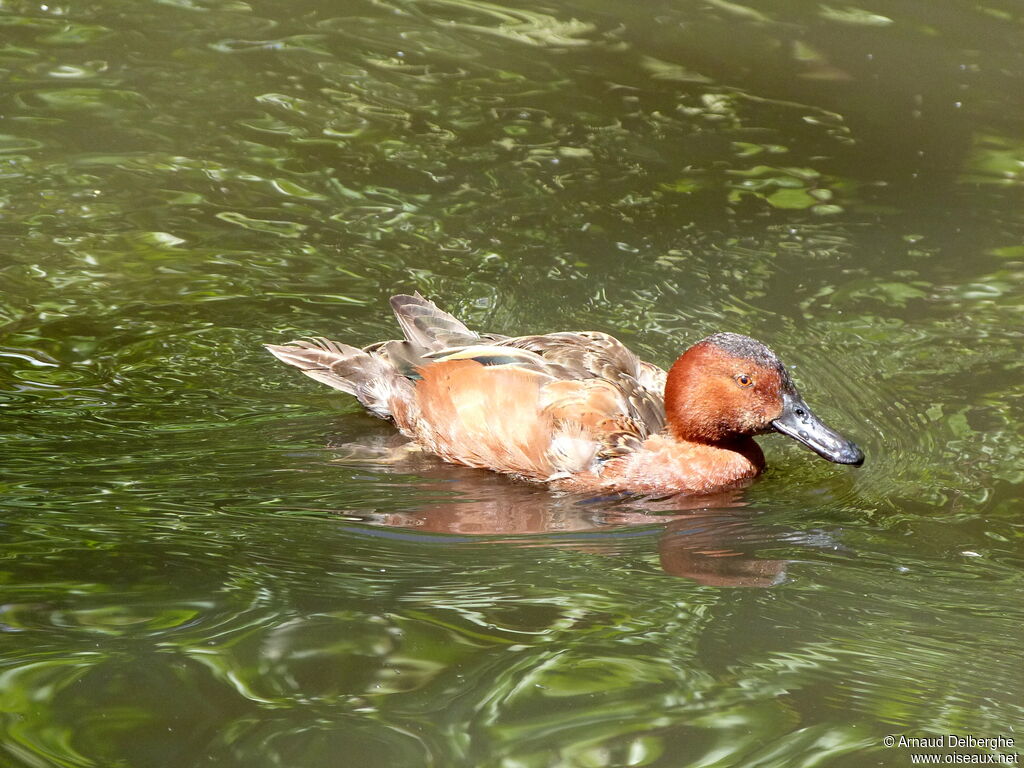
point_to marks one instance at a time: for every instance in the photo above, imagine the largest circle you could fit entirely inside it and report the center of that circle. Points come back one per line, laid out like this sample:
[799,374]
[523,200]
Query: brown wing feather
[429,331]
[591,354]
[602,411]
[427,325]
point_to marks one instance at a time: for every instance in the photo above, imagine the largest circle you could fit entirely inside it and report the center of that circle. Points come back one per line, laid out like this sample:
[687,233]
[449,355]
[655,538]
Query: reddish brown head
[728,387]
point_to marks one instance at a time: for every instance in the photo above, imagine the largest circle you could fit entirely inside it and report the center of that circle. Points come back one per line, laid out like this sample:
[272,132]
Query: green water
[208,559]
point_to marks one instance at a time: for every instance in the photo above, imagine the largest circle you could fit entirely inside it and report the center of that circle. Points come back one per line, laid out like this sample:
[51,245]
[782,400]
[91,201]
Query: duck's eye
[743,380]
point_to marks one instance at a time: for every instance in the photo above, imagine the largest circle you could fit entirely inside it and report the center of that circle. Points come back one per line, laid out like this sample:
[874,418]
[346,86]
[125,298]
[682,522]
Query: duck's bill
[800,423]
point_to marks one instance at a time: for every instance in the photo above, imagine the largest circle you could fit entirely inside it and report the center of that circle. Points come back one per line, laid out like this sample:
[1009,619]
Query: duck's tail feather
[428,326]
[370,377]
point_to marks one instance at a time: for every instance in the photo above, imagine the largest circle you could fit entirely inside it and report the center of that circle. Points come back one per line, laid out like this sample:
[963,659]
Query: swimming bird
[577,410]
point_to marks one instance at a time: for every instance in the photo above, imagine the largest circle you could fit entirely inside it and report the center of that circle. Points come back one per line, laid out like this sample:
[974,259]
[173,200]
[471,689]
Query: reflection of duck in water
[711,539]
[578,410]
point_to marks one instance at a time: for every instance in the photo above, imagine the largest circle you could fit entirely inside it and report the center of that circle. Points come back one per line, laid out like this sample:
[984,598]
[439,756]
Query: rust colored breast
[664,464]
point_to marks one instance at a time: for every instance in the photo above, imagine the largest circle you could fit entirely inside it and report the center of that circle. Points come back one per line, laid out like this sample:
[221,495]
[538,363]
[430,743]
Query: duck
[577,410]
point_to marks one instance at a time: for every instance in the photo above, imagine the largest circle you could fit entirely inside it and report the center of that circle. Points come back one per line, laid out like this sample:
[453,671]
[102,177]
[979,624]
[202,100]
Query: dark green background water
[209,560]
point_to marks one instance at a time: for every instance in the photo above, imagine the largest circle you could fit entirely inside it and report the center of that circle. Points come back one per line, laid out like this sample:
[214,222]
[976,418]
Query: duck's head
[729,386]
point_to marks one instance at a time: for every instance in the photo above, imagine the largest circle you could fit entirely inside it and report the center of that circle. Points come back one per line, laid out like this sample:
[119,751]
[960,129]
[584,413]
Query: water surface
[209,560]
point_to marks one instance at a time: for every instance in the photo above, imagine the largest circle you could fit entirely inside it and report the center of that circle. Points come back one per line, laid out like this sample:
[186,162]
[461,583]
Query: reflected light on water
[208,561]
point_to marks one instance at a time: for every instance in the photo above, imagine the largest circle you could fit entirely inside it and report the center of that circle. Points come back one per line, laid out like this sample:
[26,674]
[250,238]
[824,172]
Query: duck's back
[541,407]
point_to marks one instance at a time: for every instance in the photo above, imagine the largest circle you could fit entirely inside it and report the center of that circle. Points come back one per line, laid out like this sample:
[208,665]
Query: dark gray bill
[802,425]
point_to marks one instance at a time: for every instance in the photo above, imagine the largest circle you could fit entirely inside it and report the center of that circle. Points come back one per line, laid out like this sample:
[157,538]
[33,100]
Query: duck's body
[579,410]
